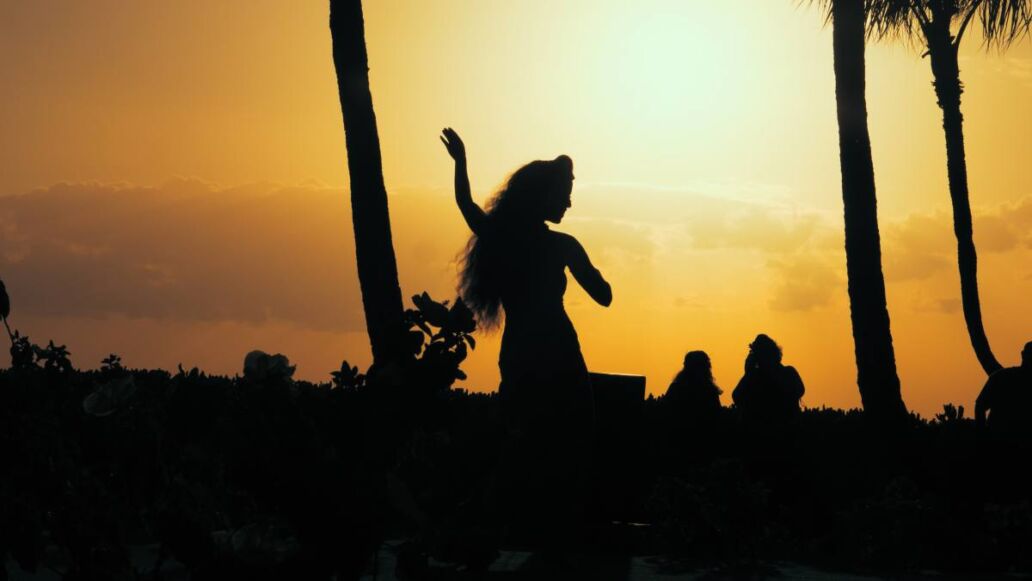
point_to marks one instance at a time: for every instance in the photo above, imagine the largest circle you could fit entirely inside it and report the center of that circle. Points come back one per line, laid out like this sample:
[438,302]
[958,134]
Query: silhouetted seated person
[692,394]
[1007,399]
[769,391]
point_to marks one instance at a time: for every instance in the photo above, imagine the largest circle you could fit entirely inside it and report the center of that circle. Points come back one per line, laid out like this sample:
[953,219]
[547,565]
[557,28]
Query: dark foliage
[264,477]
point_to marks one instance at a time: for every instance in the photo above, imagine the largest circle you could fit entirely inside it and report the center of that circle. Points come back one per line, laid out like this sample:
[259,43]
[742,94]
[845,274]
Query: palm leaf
[1003,21]
[896,19]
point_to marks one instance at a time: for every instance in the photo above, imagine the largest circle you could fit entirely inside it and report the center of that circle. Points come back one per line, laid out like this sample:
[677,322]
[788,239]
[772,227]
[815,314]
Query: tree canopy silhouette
[939,26]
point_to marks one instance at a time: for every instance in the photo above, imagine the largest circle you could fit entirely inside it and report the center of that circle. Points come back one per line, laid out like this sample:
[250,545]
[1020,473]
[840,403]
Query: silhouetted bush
[262,476]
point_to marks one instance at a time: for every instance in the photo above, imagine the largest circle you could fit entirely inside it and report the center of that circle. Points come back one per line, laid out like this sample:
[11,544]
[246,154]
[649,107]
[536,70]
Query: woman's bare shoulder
[564,240]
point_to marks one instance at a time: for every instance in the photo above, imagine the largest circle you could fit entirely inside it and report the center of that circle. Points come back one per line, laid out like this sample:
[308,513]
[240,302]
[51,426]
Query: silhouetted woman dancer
[514,263]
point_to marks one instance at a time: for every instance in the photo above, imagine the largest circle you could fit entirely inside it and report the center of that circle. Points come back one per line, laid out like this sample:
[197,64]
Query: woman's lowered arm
[586,274]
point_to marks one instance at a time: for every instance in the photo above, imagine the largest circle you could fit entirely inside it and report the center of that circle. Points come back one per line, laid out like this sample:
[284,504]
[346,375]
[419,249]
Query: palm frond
[1004,21]
[897,20]
[1001,21]
[823,5]
[885,18]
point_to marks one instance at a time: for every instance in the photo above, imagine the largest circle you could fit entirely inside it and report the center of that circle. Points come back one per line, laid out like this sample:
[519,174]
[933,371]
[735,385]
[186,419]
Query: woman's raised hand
[473,213]
[453,143]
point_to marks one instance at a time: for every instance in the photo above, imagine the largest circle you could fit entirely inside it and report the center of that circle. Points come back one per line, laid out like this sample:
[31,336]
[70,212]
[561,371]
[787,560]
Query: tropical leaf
[112,362]
[1002,21]
[347,376]
[434,312]
[460,318]
[414,342]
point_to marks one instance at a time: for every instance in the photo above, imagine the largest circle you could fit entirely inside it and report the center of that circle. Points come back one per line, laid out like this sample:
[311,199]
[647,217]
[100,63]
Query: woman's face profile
[559,200]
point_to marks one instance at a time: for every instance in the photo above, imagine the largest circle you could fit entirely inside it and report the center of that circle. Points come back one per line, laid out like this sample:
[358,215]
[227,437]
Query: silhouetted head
[764,352]
[697,364]
[535,193]
[1026,356]
[696,376]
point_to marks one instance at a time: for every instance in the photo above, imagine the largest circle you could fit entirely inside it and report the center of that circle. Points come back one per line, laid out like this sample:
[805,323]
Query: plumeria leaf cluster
[439,336]
[347,377]
[26,354]
[436,339]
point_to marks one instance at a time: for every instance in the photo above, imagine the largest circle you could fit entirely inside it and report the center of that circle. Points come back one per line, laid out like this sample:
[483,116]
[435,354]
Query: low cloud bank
[184,251]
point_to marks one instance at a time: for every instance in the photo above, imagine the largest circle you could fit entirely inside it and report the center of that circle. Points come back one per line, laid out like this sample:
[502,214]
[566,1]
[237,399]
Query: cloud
[192,251]
[923,245]
[183,251]
[940,306]
[802,251]
[1020,69]
[917,247]
[755,228]
[948,306]
[804,283]
[614,241]
[997,233]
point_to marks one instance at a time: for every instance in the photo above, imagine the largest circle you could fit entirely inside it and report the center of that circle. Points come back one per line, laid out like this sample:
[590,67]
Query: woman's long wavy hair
[514,212]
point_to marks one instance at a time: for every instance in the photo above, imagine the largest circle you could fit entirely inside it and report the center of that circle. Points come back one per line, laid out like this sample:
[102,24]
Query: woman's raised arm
[471,212]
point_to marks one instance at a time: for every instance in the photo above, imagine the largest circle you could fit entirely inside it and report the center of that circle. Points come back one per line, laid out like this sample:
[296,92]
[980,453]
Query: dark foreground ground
[118,474]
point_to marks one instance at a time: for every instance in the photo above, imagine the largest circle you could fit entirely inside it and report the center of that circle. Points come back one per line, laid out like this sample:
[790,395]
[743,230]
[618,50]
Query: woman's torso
[538,336]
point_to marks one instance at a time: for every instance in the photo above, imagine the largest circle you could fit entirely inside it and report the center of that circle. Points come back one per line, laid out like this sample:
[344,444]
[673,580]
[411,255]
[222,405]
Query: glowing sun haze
[706,153]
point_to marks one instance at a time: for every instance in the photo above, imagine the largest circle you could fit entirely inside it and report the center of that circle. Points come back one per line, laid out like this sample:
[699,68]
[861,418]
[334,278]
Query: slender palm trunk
[872,337]
[948,89]
[377,269]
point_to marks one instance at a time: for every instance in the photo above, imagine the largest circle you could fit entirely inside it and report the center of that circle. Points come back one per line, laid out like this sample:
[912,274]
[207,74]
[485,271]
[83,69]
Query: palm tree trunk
[377,269]
[948,89]
[872,336]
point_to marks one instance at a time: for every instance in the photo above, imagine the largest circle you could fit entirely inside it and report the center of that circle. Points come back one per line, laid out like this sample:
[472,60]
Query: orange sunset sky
[173,180]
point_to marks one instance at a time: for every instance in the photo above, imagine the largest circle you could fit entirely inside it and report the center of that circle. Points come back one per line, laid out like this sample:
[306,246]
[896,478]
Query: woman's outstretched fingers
[453,143]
